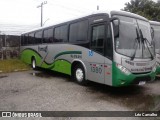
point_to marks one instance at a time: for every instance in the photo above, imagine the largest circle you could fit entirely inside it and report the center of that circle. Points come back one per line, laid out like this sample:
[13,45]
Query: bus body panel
[108,72]
[60,57]
[98,66]
[139,70]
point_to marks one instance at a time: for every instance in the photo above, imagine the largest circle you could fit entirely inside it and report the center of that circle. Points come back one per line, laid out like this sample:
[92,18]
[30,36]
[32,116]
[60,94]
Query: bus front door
[96,53]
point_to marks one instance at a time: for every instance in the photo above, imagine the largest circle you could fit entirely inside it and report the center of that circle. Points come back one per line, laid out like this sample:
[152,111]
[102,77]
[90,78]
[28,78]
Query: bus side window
[78,32]
[22,40]
[31,38]
[26,39]
[38,37]
[60,34]
[48,36]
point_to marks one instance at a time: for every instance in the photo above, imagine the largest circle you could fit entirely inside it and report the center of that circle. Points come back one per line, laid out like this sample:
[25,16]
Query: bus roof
[123,13]
[154,23]
[128,14]
[76,18]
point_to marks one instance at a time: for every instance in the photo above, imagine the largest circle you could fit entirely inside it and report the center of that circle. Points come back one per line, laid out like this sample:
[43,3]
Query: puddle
[14,91]
[41,74]
[49,74]
[133,97]
[52,75]
[3,76]
[143,102]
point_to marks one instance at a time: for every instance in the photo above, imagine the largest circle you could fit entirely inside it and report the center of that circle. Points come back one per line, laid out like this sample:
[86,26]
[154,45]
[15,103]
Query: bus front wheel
[79,74]
[33,63]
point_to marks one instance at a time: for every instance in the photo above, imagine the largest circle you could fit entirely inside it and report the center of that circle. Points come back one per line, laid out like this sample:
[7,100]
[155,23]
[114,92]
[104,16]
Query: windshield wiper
[145,41]
[137,40]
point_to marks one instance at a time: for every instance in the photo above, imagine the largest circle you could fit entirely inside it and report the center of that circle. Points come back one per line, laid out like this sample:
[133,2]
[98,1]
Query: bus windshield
[156,36]
[134,38]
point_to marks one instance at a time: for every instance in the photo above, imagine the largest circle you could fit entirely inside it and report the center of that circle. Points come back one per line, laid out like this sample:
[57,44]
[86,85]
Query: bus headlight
[123,69]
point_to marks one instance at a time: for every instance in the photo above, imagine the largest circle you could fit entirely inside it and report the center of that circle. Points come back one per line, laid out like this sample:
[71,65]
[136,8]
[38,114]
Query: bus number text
[96,69]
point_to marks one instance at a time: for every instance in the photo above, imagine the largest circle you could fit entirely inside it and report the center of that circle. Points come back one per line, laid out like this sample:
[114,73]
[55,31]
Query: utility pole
[41,6]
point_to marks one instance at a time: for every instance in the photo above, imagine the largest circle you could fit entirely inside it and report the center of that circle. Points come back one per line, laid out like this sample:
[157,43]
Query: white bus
[156,35]
[113,48]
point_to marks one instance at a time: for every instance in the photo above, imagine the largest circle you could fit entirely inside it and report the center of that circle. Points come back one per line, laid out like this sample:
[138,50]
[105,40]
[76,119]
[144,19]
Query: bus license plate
[142,82]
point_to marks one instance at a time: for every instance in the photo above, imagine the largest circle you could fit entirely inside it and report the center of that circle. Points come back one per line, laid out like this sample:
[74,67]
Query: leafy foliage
[145,8]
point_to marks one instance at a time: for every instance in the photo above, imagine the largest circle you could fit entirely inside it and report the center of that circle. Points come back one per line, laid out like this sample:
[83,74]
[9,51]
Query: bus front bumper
[121,79]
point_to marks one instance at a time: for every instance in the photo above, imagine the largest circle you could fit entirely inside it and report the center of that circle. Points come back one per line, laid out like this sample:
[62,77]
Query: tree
[145,8]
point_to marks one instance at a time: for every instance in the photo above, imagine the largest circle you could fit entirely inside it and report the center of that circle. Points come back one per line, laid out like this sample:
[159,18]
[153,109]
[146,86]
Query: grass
[13,65]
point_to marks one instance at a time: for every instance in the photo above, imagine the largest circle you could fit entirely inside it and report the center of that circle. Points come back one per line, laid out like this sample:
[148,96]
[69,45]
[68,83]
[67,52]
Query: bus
[113,48]
[156,28]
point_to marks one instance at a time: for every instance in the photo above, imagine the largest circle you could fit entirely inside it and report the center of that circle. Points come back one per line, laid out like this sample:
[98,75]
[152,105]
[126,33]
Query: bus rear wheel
[33,63]
[79,74]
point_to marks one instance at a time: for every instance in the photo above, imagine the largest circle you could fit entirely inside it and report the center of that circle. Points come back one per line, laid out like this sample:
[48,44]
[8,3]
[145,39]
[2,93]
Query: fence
[9,46]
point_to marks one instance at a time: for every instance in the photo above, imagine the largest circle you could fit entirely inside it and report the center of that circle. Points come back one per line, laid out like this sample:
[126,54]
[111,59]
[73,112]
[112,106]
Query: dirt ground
[48,91]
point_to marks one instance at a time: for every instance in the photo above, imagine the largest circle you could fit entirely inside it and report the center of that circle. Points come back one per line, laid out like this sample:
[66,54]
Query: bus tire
[79,74]
[33,63]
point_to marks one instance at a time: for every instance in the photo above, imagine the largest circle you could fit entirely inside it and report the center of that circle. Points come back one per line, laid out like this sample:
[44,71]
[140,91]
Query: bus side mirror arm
[115,18]
[115,26]
[152,32]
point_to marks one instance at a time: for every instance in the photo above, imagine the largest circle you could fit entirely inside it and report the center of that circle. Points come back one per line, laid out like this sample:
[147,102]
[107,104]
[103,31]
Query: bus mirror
[116,23]
[152,32]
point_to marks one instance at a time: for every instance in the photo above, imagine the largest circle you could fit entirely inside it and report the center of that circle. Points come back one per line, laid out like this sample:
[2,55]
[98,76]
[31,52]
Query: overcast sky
[26,12]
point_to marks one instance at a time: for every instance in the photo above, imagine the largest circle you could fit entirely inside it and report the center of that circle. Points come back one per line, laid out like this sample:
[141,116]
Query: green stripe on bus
[118,77]
[121,79]
[61,65]
[27,54]
[67,52]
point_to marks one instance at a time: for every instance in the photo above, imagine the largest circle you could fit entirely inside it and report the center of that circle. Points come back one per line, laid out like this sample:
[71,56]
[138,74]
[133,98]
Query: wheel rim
[33,64]
[79,74]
